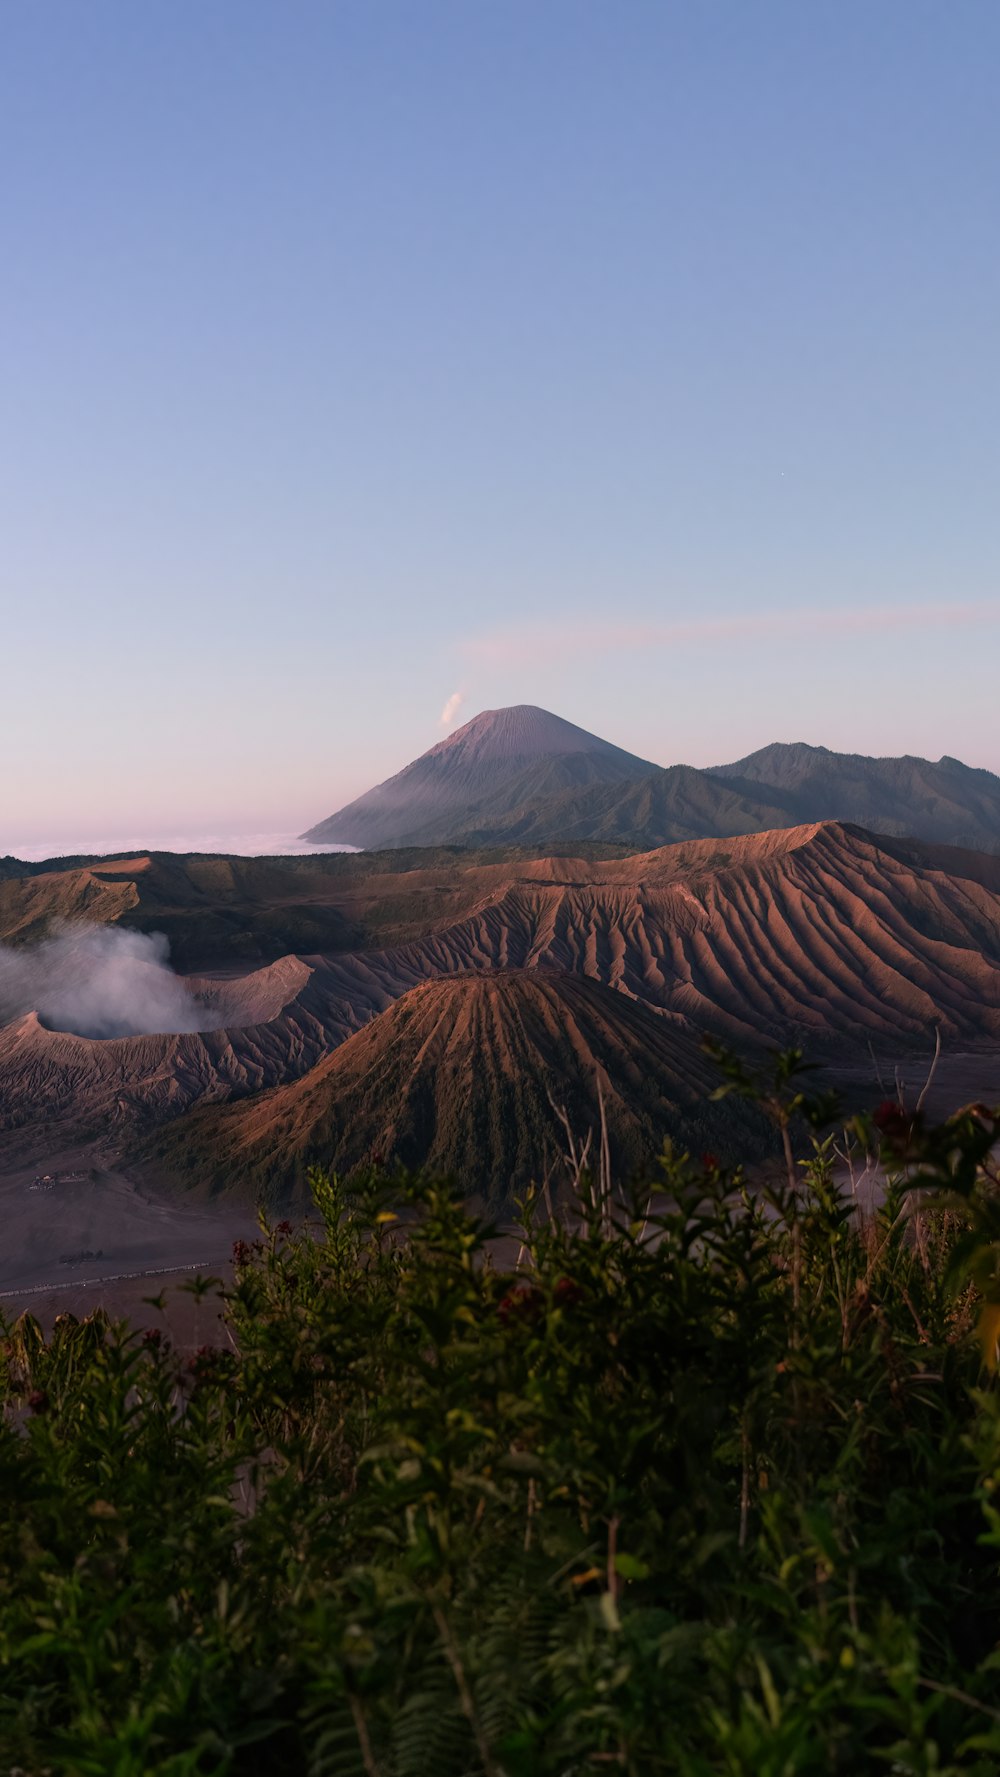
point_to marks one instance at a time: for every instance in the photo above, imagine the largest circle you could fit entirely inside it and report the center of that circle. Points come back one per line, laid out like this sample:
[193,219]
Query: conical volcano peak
[488,770]
[521,731]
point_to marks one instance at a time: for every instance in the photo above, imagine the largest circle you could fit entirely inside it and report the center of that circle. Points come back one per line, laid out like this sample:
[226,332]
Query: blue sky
[637,360]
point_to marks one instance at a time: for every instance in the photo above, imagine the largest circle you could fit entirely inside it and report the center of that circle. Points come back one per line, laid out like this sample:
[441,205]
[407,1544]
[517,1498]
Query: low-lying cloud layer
[130,845]
[98,981]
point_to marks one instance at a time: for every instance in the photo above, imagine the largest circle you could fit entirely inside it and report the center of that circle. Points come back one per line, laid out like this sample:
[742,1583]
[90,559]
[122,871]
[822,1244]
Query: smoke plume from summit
[451,709]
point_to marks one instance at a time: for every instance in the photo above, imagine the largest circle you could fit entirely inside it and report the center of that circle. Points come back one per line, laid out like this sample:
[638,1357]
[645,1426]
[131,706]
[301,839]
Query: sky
[365,366]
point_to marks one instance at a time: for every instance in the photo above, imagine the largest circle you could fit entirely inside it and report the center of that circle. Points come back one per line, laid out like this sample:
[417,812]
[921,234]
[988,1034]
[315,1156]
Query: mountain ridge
[484,786]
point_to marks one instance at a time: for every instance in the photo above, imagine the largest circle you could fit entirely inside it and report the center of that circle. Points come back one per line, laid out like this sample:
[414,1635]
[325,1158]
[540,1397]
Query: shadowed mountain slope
[946,801]
[467,1076]
[522,776]
[662,808]
[496,764]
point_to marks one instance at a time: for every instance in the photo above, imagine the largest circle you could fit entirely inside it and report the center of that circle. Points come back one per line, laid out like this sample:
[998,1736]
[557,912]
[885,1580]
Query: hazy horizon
[222,844]
[234,841]
[366,370]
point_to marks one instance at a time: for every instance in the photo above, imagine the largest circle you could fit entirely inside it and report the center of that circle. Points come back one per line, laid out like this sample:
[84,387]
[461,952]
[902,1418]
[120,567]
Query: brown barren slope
[30,906]
[822,934]
[465,1077]
[259,1029]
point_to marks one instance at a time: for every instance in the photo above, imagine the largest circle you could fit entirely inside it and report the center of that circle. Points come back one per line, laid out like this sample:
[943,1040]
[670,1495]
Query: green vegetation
[705,1490]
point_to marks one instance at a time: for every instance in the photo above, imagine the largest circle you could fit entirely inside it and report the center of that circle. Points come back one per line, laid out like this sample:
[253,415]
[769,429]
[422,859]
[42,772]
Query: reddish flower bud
[886,1114]
[896,1125]
[522,1303]
[567,1293]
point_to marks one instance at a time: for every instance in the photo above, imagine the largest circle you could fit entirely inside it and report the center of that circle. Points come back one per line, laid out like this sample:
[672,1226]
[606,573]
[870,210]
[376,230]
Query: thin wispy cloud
[451,709]
[540,641]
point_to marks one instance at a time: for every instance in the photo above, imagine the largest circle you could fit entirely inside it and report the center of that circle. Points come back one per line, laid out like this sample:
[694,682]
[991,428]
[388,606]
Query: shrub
[705,1483]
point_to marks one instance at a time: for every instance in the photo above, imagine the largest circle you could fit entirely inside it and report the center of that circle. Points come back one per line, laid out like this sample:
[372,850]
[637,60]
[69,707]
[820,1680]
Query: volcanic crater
[824,934]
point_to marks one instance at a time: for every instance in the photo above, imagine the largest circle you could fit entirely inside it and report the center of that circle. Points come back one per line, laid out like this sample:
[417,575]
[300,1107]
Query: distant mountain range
[523,776]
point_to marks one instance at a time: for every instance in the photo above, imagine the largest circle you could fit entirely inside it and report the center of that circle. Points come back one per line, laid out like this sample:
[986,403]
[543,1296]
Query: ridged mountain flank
[468,1076]
[497,764]
[941,800]
[781,786]
[823,934]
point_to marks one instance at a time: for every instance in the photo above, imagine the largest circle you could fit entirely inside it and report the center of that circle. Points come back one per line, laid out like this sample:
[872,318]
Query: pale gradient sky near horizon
[638,360]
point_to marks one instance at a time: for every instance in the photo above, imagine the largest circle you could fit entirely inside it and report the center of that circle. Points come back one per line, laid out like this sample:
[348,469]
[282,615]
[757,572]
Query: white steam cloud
[452,708]
[98,981]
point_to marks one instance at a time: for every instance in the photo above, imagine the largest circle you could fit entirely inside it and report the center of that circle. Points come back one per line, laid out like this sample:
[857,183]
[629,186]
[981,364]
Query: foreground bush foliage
[702,1486]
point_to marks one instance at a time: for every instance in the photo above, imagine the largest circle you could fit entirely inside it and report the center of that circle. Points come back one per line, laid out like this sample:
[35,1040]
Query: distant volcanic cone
[499,762]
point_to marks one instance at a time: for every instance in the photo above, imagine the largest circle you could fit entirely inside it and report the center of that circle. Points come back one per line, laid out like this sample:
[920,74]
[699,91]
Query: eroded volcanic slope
[468,1076]
[819,932]
[212,909]
[265,1027]
[823,934]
